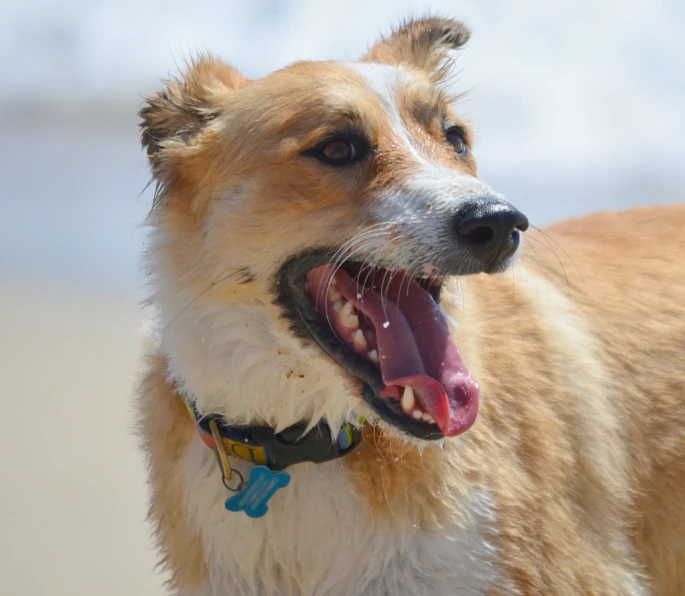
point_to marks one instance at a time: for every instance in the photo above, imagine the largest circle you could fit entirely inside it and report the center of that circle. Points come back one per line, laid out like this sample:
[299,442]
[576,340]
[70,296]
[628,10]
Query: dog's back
[633,296]
[585,350]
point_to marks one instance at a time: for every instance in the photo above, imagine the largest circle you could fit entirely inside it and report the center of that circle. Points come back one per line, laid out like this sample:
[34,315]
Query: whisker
[535,254]
[383,303]
[350,249]
[410,274]
[548,238]
[378,259]
[399,291]
[568,283]
[366,241]
[367,233]
[393,274]
[240,273]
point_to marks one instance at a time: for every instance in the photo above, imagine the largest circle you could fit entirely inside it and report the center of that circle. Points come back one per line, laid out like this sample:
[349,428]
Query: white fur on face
[386,83]
[423,212]
[423,205]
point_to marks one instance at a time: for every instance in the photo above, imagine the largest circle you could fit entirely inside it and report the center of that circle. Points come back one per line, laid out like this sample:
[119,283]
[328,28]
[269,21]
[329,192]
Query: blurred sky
[577,104]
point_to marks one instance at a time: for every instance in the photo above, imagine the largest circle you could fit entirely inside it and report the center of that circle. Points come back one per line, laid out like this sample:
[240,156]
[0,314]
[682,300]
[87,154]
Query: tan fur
[580,353]
[559,503]
[422,44]
[633,297]
[388,471]
[168,431]
[559,507]
[174,116]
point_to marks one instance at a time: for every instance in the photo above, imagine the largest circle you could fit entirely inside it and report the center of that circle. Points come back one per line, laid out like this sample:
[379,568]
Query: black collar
[260,445]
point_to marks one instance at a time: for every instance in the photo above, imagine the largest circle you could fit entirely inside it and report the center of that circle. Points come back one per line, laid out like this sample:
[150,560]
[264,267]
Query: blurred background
[578,105]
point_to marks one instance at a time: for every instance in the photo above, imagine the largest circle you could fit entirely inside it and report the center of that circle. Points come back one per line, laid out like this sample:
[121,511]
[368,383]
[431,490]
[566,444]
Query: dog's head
[303,227]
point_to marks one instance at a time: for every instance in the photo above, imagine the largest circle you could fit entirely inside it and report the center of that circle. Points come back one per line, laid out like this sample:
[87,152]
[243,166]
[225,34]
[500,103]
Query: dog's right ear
[173,118]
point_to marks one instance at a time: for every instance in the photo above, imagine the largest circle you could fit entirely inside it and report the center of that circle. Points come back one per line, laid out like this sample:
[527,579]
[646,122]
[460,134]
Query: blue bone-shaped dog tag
[260,488]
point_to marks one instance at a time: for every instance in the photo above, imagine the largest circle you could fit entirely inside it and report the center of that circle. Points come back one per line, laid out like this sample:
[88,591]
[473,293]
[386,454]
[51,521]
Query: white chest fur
[319,538]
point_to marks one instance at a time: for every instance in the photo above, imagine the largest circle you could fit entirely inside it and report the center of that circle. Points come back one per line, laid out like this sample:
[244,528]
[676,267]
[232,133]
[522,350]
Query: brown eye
[339,150]
[455,137]
[343,149]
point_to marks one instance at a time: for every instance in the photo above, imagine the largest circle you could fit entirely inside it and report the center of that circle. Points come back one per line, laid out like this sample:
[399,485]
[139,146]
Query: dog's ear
[422,44]
[172,119]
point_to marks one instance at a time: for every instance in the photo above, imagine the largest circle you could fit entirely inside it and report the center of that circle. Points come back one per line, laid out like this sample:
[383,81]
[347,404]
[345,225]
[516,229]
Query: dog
[371,376]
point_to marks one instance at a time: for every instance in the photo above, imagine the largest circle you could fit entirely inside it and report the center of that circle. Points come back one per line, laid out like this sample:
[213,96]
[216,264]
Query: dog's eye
[340,151]
[455,137]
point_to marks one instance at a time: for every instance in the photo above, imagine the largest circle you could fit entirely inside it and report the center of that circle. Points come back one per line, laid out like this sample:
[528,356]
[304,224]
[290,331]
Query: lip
[308,325]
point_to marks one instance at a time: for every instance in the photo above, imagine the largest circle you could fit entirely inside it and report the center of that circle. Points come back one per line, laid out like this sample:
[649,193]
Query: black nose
[490,229]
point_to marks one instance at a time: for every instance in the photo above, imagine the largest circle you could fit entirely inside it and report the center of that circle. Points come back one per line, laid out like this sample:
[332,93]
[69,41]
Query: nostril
[481,235]
[522,223]
[490,229]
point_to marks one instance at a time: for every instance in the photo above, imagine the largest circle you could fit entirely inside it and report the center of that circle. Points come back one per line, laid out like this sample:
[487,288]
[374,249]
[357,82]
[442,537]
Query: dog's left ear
[422,44]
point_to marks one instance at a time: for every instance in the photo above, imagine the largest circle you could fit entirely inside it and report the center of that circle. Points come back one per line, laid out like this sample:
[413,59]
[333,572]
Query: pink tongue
[415,346]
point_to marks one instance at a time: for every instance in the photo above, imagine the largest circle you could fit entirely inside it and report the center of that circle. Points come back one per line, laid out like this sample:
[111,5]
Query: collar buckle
[292,445]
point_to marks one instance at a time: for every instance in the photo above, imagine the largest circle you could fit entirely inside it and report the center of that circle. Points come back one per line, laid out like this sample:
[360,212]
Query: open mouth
[387,329]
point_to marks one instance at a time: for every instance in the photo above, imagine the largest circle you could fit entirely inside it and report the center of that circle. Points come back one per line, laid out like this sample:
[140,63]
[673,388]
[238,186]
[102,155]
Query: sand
[72,493]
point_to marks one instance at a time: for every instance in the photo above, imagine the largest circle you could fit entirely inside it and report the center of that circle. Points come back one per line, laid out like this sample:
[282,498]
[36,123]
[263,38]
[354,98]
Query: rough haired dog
[325,265]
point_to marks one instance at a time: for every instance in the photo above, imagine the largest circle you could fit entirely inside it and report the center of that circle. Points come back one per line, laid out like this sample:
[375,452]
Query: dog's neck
[343,527]
[385,497]
[241,363]
[348,525]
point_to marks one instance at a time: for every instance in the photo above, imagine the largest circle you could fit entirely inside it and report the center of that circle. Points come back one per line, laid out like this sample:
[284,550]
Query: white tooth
[337,306]
[417,414]
[359,338]
[347,310]
[408,400]
[334,282]
[351,322]
[334,294]
[428,418]
[373,355]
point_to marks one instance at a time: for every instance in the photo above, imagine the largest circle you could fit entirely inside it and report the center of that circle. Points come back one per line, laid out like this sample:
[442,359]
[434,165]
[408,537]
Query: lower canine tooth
[417,414]
[408,400]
